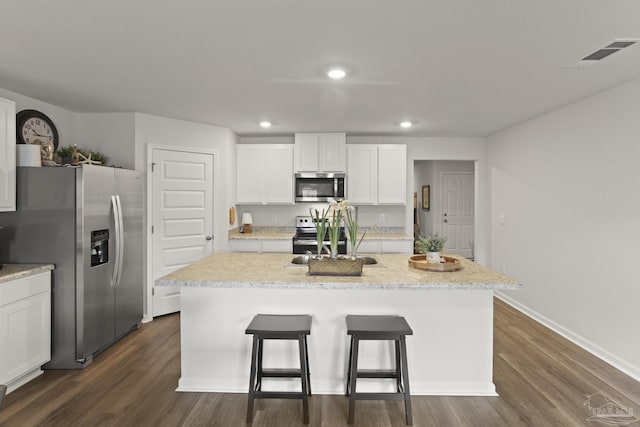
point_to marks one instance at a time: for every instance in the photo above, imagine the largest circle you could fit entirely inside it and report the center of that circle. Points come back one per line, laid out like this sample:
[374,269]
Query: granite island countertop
[10,272]
[269,270]
[282,233]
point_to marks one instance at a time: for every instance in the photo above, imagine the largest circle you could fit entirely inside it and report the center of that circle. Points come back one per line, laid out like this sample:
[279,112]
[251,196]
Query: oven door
[301,246]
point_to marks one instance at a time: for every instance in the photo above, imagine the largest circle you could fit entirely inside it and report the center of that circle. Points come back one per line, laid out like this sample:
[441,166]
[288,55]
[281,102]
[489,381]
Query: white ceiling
[457,67]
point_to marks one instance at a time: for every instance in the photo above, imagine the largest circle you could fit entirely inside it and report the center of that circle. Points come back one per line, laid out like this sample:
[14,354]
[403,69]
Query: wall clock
[34,127]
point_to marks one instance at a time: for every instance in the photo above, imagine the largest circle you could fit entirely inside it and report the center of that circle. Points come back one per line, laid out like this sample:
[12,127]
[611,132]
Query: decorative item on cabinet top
[35,127]
[64,156]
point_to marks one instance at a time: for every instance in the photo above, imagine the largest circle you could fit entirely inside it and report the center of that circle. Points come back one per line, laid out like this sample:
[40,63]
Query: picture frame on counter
[426,197]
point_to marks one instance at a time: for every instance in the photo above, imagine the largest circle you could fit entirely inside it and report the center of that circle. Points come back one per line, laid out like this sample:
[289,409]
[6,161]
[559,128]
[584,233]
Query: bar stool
[385,328]
[279,327]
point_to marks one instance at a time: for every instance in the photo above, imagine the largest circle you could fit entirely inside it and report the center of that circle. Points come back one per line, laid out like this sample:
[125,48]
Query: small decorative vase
[433,257]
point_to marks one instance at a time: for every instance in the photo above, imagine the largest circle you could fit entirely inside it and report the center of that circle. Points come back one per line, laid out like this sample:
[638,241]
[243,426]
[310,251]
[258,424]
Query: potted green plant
[98,158]
[65,153]
[431,245]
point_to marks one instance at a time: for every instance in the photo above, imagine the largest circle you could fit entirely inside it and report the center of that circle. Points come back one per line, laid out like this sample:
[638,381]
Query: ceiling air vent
[608,50]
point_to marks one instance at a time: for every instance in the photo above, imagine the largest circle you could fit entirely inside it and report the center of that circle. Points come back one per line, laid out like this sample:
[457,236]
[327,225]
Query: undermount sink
[302,260]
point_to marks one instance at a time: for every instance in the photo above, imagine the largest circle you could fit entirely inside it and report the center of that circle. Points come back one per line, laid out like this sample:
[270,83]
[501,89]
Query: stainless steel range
[305,237]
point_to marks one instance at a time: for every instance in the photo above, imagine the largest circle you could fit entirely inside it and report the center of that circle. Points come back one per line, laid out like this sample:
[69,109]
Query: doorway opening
[446,206]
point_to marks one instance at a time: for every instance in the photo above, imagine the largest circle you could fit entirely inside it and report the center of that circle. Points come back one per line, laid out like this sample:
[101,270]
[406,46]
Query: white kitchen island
[451,314]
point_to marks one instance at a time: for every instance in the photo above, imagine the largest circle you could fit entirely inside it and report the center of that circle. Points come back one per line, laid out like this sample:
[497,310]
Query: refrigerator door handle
[116,258]
[120,241]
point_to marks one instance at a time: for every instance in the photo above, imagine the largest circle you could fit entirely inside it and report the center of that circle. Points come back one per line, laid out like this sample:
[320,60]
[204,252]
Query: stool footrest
[280,373]
[278,395]
[377,373]
[378,396]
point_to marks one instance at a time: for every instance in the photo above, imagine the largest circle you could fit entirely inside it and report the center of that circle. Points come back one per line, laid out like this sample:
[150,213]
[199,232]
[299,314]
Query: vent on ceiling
[611,48]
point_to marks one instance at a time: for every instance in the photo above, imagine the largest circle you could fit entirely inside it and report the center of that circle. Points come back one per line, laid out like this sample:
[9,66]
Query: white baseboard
[23,379]
[599,352]
[325,387]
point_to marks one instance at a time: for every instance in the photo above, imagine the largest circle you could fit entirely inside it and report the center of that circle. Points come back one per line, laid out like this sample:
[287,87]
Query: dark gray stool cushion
[286,324]
[377,325]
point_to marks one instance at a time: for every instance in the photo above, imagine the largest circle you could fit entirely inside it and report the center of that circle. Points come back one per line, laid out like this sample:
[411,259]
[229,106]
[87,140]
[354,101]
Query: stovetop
[306,229]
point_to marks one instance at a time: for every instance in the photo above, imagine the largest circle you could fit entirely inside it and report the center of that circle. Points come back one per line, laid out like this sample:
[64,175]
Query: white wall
[112,134]
[567,184]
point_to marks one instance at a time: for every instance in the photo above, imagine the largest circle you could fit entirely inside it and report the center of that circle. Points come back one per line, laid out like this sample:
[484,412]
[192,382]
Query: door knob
[209,237]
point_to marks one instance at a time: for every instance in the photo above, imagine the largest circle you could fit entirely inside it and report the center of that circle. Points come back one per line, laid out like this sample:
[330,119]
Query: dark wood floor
[542,380]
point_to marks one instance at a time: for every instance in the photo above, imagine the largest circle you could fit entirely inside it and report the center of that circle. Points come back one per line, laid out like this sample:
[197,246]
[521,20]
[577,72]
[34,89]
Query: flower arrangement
[430,243]
[331,219]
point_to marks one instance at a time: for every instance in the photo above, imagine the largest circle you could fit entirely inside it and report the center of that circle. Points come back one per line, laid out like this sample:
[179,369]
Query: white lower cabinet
[260,245]
[25,328]
[386,246]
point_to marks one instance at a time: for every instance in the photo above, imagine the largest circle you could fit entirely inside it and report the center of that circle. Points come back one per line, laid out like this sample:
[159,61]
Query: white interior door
[182,217]
[457,212]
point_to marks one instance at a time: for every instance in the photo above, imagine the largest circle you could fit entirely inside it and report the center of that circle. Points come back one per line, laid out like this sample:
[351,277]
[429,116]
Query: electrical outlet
[381,218]
[274,219]
[504,269]
[502,219]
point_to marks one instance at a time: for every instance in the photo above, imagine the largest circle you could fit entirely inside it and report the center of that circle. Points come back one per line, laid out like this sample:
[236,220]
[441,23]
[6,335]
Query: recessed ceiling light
[265,124]
[336,73]
[406,124]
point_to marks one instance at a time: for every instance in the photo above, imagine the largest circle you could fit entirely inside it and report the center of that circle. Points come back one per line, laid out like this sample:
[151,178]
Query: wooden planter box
[335,267]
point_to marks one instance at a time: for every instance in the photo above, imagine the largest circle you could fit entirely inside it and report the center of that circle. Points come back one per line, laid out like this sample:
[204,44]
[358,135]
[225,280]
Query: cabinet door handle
[209,237]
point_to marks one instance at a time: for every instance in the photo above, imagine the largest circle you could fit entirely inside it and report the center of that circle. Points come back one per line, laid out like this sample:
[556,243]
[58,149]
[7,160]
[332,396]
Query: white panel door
[457,212]
[182,223]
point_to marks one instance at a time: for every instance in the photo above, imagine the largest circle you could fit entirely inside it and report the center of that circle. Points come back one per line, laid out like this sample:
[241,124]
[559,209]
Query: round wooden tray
[420,262]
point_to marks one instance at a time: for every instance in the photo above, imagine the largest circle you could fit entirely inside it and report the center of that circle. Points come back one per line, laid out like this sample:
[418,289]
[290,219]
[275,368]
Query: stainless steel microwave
[319,186]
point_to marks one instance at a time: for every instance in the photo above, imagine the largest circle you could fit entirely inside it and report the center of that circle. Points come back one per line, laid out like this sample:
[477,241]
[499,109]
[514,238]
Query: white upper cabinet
[362,174]
[320,152]
[7,155]
[392,174]
[278,179]
[377,174]
[264,174]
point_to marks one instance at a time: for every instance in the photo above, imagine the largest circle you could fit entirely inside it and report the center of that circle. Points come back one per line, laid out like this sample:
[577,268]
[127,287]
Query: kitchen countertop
[266,233]
[10,272]
[276,233]
[265,270]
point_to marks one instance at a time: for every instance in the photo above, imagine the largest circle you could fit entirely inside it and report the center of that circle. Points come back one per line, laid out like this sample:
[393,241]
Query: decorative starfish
[88,160]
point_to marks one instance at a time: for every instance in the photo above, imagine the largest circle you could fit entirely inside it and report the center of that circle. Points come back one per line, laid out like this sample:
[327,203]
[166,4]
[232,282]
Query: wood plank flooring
[542,380]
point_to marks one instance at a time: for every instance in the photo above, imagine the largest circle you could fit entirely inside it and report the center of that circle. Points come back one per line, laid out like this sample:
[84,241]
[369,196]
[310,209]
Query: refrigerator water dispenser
[99,247]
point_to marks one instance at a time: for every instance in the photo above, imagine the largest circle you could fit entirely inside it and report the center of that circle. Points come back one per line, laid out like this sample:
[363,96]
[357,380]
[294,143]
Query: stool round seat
[279,327]
[384,328]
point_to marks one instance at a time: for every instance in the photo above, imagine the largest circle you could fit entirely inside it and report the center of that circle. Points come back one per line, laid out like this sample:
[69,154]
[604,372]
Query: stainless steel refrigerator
[87,221]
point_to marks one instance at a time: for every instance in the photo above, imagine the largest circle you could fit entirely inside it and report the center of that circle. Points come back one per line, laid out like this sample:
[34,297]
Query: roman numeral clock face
[33,127]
